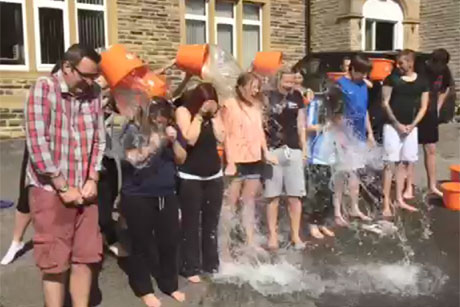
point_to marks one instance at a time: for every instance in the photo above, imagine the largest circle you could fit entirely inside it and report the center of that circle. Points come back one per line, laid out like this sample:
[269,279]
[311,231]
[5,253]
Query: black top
[157,178]
[406,96]
[202,158]
[438,84]
[282,122]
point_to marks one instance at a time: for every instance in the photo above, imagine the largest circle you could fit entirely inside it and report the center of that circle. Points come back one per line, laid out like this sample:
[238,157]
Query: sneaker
[14,249]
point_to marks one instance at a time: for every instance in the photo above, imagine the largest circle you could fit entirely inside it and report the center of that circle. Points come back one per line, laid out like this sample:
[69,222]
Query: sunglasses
[91,76]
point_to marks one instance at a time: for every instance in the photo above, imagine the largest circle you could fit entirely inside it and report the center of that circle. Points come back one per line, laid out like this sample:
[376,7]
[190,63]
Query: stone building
[376,25]
[35,33]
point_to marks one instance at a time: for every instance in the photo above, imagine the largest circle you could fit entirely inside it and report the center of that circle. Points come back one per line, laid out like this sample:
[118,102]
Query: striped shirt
[65,133]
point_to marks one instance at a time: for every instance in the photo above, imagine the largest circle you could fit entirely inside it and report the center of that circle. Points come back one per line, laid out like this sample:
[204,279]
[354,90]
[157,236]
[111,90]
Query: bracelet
[63,189]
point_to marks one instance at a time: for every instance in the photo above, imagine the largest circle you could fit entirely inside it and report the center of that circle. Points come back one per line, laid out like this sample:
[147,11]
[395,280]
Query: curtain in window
[196,32]
[251,43]
[225,37]
[51,35]
[91,28]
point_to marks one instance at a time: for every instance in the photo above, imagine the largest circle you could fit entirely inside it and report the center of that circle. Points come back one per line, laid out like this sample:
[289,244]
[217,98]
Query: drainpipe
[308,26]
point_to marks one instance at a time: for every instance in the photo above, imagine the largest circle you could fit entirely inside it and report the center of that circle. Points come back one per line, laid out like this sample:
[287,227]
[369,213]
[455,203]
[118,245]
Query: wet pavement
[416,265]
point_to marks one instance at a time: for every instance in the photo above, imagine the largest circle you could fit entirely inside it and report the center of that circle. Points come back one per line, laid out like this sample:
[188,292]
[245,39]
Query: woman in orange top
[245,148]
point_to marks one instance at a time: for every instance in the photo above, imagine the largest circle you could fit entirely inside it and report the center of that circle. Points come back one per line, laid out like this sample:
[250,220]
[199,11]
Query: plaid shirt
[65,134]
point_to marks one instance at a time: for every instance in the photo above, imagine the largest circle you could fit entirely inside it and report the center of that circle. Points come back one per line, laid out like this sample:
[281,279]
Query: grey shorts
[287,176]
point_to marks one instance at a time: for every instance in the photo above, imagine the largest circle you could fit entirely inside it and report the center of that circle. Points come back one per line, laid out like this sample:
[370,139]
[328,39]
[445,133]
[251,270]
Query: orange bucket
[154,85]
[455,172]
[191,58]
[381,68]
[268,63]
[334,76]
[451,195]
[117,63]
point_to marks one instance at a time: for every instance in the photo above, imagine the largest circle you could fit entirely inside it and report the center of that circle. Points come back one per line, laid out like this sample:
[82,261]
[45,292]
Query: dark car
[315,66]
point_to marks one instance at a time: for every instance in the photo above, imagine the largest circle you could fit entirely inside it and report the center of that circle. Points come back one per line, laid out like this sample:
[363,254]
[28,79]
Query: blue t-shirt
[356,102]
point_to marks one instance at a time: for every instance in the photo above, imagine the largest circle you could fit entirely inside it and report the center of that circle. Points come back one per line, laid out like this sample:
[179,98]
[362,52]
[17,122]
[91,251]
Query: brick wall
[288,28]
[151,29]
[440,28]
[328,32]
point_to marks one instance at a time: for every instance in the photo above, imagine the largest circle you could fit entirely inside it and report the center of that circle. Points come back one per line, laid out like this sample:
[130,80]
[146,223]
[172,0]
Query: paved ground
[20,287]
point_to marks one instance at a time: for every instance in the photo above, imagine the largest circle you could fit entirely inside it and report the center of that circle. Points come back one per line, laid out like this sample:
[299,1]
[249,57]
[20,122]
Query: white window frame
[93,7]
[25,66]
[388,11]
[258,23]
[204,18]
[227,21]
[374,22]
[62,5]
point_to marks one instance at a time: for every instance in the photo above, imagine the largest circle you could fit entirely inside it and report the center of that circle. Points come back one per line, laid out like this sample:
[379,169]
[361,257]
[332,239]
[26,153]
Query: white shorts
[399,147]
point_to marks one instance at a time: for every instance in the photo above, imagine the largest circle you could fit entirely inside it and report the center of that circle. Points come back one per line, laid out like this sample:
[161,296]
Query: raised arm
[190,128]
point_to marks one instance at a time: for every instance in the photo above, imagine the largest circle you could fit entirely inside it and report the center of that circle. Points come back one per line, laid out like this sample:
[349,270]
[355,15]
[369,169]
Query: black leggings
[107,192]
[200,198]
[160,215]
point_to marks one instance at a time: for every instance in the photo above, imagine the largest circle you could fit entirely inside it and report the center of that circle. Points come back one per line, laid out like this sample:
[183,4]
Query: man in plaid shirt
[66,140]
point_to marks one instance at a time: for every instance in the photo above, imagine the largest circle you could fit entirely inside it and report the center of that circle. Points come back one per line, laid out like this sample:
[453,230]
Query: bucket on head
[455,172]
[155,85]
[268,62]
[117,63]
[381,68]
[451,195]
[191,58]
[334,76]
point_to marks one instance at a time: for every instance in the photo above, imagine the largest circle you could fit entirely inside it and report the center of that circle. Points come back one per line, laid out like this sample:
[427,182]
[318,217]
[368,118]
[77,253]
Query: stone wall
[328,31]
[440,28]
[288,29]
[151,29]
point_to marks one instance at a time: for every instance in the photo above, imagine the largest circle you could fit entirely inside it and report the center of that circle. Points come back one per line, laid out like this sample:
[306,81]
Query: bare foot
[387,213]
[403,205]
[435,190]
[358,214]
[298,244]
[273,243]
[327,231]
[408,194]
[194,279]
[340,221]
[151,300]
[178,296]
[315,233]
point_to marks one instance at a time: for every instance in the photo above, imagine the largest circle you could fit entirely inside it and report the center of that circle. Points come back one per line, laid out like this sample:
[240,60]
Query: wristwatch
[64,188]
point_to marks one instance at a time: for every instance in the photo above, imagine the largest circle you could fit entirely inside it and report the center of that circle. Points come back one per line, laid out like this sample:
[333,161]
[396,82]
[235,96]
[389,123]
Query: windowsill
[14,68]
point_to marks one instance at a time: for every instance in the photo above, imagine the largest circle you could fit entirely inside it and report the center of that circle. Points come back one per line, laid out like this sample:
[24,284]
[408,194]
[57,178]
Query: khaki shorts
[63,235]
[287,176]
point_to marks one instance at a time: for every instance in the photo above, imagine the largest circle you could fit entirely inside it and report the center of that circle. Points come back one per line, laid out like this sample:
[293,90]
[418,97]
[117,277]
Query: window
[91,23]
[252,32]
[196,21]
[382,25]
[12,34]
[51,32]
[236,26]
[225,26]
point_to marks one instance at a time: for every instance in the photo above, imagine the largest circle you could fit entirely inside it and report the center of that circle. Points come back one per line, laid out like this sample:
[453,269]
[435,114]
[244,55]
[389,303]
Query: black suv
[315,66]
